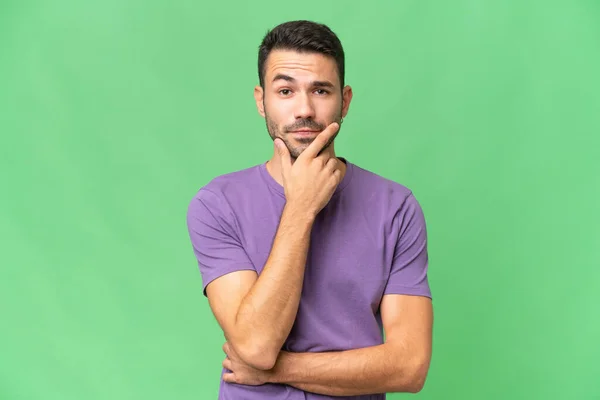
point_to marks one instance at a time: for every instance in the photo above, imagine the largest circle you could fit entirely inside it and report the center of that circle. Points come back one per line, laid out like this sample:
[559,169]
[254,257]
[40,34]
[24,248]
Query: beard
[275,131]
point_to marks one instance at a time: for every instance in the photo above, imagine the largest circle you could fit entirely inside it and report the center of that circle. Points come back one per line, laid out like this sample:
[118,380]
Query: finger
[324,156]
[229,377]
[286,159]
[320,141]
[338,176]
[227,364]
[332,164]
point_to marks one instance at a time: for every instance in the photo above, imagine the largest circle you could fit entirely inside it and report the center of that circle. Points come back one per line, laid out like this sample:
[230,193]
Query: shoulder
[390,202]
[217,194]
[377,188]
[232,183]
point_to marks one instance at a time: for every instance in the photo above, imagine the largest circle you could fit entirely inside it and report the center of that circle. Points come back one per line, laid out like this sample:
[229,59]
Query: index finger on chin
[320,141]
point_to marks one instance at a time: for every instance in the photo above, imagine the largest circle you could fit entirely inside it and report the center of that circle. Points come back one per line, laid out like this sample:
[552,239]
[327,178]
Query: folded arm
[399,365]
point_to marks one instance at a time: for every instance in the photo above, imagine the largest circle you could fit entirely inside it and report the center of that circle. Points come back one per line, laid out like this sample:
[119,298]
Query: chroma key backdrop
[114,113]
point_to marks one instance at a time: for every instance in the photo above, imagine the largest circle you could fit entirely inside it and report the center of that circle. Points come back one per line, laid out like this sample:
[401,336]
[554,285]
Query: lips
[304,131]
[304,134]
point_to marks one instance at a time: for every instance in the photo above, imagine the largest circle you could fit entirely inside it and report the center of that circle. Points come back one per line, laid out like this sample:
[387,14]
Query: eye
[322,91]
[285,92]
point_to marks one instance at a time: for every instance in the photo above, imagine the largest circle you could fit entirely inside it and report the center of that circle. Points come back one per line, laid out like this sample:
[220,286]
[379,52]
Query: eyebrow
[314,83]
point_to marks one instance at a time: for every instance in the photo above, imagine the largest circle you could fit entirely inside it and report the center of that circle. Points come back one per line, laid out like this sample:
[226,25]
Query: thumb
[286,160]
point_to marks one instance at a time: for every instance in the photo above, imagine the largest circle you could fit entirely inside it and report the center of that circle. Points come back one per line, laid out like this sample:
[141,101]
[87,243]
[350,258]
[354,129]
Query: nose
[304,108]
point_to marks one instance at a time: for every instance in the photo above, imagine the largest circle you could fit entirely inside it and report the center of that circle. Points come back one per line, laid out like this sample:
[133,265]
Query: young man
[308,259]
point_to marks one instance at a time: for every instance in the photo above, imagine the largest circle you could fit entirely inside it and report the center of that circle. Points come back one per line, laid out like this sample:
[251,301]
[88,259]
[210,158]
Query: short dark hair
[305,37]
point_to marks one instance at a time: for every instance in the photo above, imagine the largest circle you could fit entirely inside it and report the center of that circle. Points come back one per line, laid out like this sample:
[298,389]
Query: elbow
[418,376]
[412,378]
[258,360]
[416,385]
[257,357]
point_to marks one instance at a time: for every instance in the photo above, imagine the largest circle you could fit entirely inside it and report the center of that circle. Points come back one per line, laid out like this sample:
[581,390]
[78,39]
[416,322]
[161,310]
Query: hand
[312,179]
[242,373]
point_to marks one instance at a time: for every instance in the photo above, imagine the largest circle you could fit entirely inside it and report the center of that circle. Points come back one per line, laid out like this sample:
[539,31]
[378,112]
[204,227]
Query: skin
[298,103]
[400,365]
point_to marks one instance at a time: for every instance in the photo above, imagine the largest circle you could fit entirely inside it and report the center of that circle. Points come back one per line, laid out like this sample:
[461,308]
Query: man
[307,259]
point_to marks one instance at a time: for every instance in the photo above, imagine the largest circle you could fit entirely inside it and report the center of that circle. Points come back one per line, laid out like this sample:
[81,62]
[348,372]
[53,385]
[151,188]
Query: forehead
[301,66]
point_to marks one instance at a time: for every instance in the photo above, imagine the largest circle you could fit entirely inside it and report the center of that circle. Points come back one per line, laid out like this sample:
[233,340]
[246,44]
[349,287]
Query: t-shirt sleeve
[408,274]
[216,245]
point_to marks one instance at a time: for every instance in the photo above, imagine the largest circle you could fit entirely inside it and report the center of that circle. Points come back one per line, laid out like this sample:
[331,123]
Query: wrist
[299,214]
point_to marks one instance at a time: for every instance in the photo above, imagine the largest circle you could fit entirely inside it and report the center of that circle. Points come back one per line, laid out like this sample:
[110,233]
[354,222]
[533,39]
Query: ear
[259,98]
[346,99]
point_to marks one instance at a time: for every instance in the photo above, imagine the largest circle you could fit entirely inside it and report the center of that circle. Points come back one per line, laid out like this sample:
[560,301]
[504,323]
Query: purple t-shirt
[370,240]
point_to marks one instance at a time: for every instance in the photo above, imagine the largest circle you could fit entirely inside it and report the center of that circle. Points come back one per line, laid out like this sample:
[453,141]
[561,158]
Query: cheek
[327,110]
[277,119]
[274,128]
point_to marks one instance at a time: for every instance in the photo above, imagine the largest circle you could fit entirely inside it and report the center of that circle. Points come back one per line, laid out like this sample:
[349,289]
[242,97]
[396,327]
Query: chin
[297,150]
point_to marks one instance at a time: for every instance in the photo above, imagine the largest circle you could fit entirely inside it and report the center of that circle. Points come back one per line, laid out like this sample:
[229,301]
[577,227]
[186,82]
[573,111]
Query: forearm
[267,313]
[384,368]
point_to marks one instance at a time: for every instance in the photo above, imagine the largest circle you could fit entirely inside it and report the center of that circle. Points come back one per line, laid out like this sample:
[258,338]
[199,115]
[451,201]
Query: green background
[113,113]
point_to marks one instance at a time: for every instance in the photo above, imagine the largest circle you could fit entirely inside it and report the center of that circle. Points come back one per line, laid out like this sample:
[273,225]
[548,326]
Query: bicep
[225,295]
[408,321]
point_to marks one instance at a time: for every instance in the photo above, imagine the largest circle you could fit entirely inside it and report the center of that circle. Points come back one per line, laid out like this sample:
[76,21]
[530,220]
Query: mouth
[304,132]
